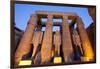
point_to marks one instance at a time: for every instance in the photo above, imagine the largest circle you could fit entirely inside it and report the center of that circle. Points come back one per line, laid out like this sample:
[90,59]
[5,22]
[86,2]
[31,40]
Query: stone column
[91,29]
[66,41]
[47,42]
[25,43]
[86,45]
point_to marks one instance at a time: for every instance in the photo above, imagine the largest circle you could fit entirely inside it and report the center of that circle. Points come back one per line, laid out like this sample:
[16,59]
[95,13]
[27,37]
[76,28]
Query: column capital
[33,19]
[50,19]
[79,21]
[50,16]
[65,18]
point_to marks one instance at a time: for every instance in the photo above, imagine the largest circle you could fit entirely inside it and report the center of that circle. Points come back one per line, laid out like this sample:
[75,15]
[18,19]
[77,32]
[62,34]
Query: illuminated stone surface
[25,43]
[86,45]
[46,53]
[47,40]
[66,41]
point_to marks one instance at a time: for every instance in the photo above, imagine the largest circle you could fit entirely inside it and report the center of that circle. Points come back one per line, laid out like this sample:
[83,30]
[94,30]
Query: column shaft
[47,42]
[66,41]
[25,43]
[86,45]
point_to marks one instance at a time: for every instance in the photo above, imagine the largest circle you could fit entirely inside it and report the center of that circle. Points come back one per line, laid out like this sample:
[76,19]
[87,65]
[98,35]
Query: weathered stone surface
[37,38]
[88,52]
[66,41]
[78,52]
[91,29]
[47,42]
[76,38]
[57,42]
[44,55]
[24,46]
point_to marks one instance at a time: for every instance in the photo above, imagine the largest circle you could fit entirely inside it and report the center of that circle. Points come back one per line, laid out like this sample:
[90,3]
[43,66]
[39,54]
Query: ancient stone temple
[71,42]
